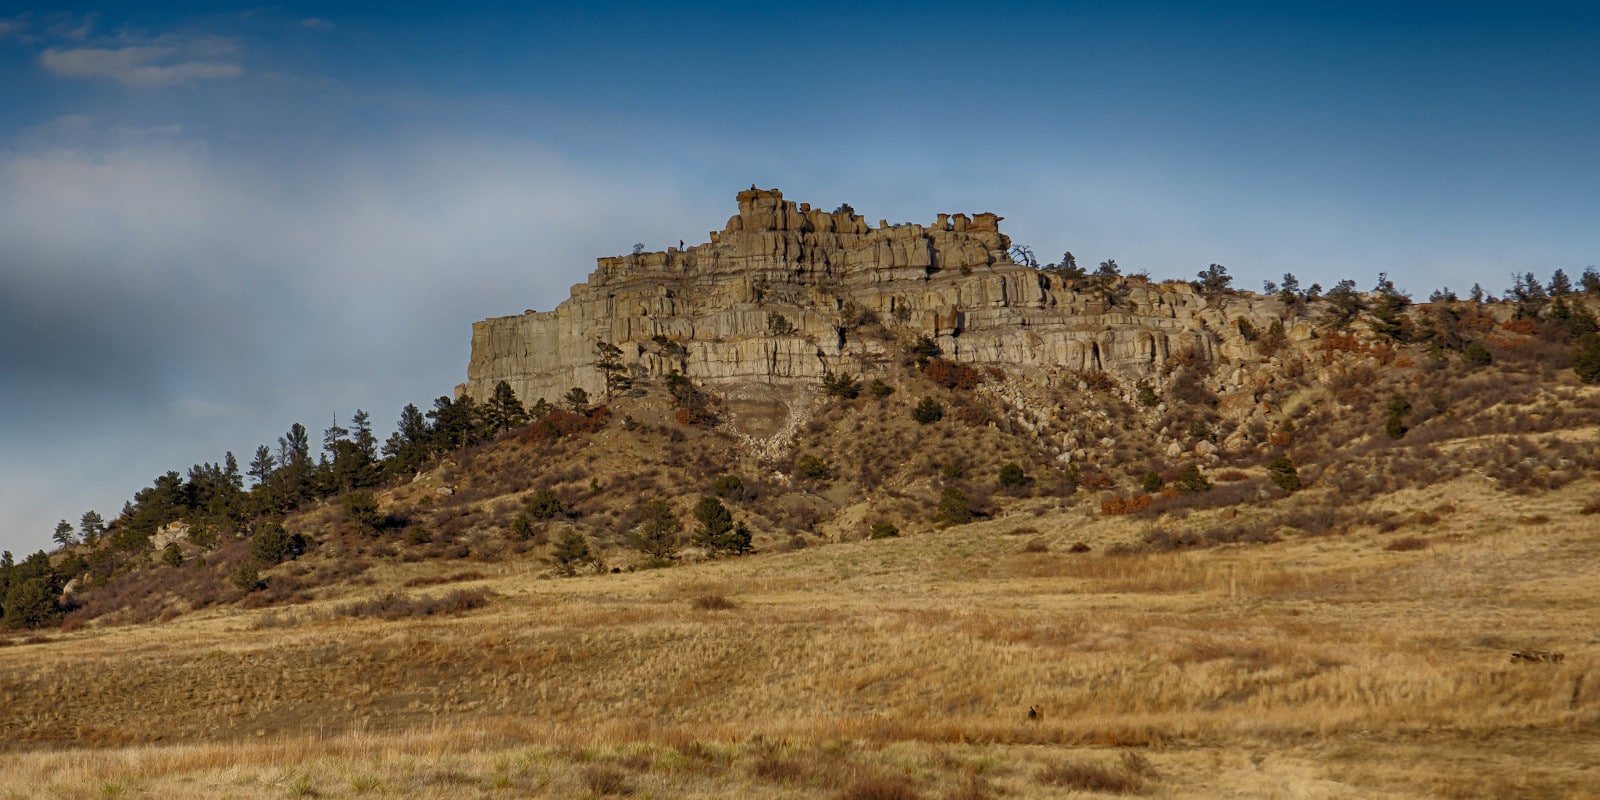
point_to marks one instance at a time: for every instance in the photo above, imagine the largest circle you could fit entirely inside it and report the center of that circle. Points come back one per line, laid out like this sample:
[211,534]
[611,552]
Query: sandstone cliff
[785,294]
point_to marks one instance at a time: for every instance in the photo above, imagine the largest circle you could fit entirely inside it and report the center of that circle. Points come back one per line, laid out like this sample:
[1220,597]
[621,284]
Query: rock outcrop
[786,293]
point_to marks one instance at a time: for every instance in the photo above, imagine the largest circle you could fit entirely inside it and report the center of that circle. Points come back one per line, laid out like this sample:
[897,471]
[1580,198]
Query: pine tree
[577,400]
[261,466]
[608,358]
[954,508]
[64,535]
[657,537]
[1283,473]
[504,411]
[570,552]
[91,525]
[715,523]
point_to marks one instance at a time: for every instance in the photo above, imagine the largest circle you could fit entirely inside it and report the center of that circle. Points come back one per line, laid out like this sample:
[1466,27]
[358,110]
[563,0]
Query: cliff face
[785,294]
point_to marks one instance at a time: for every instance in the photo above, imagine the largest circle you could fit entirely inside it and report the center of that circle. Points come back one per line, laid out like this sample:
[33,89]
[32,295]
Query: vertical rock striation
[786,293]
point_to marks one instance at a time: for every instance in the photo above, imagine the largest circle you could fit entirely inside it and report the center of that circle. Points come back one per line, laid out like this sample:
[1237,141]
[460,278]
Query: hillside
[1240,544]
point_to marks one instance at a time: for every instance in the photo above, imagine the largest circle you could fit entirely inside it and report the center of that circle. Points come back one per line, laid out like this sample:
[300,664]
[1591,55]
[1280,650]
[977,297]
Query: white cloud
[166,61]
[316,24]
[9,26]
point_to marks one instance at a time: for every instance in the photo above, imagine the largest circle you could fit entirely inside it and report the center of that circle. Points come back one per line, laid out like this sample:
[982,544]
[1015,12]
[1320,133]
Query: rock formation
[786,293]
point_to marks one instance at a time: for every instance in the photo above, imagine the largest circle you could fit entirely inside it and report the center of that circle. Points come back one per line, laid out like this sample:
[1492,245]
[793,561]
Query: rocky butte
[785,294]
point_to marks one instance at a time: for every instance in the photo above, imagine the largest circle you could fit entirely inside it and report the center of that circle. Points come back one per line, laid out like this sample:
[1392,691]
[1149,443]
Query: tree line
[217,498]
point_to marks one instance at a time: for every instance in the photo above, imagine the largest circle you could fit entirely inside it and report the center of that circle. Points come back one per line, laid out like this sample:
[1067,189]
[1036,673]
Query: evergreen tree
[1344,303]
[295,472]
[1586,358]
[1289,293]
[408,447]
[927,411]
[332,436]
[270,544]
[91,525]
[504,411]
[1560,284]
[657,537]
[1283,473]
[1529,295]
[365,448]
[954,508]
[570,552]
[1068,267]
[576,400]
[63,535]
[1153,482]
[1590,281]
[608,358]
[1395,426]
[30,594]
[545,505]
[230,472]
[1388,310]
[261,466]
[714,518]
[1191,481]
[455,423]
[1213,280]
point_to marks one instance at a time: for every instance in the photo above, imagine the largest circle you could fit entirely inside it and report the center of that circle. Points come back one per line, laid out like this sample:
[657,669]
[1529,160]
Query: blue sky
[219,220]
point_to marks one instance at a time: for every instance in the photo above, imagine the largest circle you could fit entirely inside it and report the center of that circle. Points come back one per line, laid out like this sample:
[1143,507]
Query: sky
[217,220]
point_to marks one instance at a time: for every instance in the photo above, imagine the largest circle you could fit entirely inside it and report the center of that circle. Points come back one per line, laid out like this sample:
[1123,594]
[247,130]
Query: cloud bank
[167,305]
[166,61]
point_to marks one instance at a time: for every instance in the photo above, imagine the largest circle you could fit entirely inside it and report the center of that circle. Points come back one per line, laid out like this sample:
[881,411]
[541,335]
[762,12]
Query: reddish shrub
[951,375]
[561,423]
[1115,505]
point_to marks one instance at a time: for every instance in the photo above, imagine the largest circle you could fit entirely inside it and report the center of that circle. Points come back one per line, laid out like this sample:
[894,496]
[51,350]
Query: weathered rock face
[785,293]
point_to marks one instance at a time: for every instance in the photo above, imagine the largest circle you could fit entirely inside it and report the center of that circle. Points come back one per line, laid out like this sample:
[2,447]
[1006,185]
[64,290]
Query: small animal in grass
[1034,714]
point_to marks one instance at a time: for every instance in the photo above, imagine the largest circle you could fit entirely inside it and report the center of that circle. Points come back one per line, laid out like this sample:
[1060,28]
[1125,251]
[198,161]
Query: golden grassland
[1311,668]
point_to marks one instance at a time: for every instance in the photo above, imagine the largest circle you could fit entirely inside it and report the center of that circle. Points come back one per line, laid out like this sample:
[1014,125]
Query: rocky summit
[785,294]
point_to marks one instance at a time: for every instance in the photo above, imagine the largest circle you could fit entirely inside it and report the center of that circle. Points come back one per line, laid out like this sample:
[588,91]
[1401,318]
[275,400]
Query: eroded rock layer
[785,294]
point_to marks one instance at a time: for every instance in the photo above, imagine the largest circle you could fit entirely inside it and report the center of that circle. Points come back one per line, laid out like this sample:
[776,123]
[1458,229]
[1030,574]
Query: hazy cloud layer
[166,61]
[162,306]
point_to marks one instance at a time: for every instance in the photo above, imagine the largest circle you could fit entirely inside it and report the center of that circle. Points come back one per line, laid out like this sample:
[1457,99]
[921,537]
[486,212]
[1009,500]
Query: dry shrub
[1340,343]
[1406,544]
[882,789]
[951,375]
[1137,764]
[1089,777]
[973,788]
[561,423]
[435,580]
[1095,380]
[1117,505]
[1036,546]
[1533,519]
[602,780]
[1230,475]
[713,602]
[393,606]
[1094,481]
[1079,547]
[1592,507]
[1526,327]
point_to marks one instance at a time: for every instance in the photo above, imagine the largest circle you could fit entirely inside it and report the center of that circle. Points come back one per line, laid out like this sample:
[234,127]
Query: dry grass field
[1366,665]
